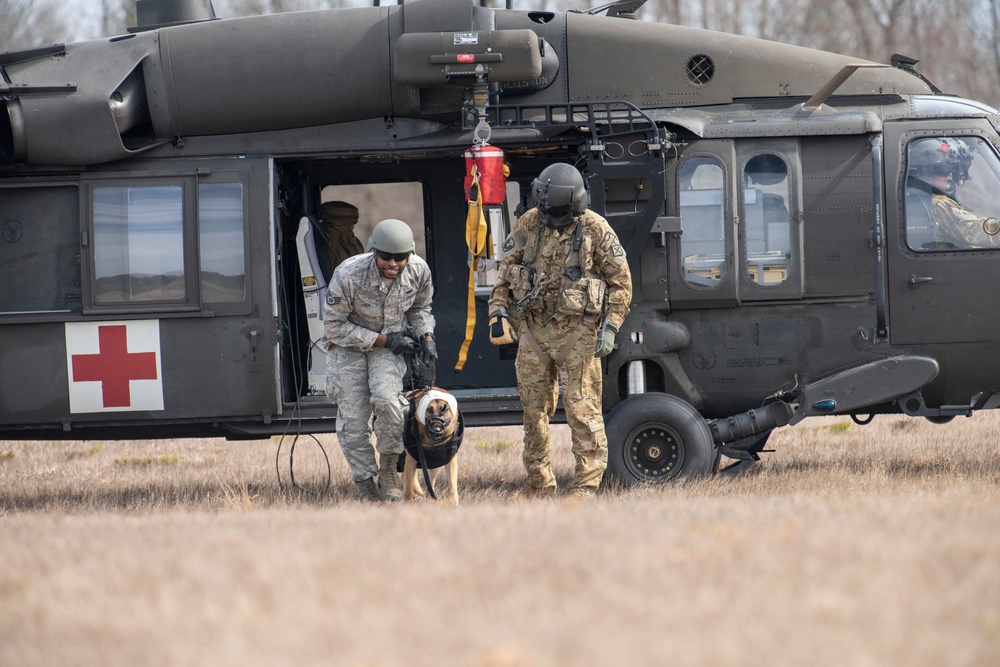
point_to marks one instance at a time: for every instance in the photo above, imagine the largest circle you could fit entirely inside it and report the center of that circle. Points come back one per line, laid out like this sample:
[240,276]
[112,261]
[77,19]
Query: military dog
[432,436]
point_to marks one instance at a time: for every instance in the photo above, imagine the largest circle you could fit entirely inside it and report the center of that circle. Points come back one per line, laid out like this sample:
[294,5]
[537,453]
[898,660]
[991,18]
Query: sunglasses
[392,256]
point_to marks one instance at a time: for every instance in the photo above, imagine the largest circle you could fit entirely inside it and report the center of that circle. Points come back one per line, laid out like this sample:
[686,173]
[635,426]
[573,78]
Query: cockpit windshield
[952,186]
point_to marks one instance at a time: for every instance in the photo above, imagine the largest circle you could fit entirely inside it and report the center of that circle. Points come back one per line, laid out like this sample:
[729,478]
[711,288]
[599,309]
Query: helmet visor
[552,197]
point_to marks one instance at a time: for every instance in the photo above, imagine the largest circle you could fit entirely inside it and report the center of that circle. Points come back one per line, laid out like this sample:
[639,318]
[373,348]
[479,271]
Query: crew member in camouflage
[958,226]
[940,166]
[564,286]
[372,300]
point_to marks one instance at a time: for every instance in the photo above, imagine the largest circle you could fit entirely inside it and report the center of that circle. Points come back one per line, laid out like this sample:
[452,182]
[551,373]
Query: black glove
[399,343]
[429,355]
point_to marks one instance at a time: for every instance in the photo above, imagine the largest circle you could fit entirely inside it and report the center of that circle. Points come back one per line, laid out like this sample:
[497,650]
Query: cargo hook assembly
[481,135]
[481,100]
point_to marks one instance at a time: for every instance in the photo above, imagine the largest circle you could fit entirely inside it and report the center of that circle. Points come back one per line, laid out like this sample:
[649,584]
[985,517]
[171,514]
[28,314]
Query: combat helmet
[937,155]
[392,236]
[560,195]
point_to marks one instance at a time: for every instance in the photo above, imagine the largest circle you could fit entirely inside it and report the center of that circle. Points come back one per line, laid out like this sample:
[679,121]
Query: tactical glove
[429,354]
[501,333]
[606,339]
[399,343]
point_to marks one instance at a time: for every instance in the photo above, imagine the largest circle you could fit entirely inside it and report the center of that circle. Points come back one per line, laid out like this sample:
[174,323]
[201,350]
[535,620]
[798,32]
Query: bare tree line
[956,41]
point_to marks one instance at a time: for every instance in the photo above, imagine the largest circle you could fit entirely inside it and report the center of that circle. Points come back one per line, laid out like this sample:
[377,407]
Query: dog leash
[419,445]
[423,466]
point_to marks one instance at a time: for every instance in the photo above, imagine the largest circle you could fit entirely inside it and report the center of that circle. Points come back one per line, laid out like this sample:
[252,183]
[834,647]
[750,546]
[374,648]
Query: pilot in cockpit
[938,167]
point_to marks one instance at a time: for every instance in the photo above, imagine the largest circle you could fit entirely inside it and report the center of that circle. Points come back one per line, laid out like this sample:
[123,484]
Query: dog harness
[439,455]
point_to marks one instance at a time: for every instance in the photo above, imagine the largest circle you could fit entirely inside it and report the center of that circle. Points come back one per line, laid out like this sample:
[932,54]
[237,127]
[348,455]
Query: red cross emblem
[114,366]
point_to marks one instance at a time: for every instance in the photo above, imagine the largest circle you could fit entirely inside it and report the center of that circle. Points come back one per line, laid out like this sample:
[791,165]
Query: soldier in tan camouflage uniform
[371,301]
[565,280]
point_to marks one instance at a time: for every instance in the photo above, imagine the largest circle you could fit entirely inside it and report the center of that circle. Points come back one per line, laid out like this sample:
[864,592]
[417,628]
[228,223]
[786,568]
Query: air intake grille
[700,69]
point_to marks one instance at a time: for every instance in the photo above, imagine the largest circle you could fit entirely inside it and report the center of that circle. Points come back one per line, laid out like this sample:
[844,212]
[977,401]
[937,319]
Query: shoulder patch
[610,245]
[514,240]
[332,300]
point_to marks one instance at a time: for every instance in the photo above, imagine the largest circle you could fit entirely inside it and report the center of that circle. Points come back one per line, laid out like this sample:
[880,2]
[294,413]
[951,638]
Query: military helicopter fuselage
[162,256]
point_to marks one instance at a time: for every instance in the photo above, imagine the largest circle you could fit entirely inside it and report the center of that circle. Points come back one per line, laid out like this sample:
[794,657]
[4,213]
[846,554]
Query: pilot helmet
[560,195]
[938,156]
[965,156]
[392,236]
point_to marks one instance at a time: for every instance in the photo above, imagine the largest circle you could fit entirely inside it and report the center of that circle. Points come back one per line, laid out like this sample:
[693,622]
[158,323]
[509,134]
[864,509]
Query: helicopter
[162,244]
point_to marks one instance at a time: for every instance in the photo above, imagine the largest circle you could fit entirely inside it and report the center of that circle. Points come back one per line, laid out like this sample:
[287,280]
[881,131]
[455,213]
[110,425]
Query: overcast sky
[87,23]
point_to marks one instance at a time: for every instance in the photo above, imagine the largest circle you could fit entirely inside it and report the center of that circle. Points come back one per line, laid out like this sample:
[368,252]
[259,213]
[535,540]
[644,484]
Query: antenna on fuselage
[838,79]
[908,64]
[625,9]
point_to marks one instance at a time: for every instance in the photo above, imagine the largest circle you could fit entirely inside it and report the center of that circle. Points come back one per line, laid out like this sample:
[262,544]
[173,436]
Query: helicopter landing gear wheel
[655,438]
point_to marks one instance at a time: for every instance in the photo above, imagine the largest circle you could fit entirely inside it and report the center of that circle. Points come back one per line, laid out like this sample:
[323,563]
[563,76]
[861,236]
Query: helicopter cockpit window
[702,205]
[139,244]
[950,198]
[766,221]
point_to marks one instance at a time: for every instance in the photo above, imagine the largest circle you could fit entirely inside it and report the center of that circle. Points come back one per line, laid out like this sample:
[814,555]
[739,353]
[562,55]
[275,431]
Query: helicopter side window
[950,195]
[39,249]
[139,244]
[221,242]
[702,205]
[766,220]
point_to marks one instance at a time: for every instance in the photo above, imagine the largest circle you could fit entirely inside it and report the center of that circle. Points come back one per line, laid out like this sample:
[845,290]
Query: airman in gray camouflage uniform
[565,284]
[372,300]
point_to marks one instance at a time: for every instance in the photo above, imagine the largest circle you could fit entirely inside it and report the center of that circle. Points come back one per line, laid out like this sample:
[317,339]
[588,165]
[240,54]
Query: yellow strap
[475,222]
[475,238]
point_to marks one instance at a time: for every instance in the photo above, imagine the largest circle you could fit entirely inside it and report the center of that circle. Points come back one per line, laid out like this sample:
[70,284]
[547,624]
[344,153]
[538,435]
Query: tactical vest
[574,291]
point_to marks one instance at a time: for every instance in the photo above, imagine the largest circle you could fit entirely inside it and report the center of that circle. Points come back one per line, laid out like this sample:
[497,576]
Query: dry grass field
[848,546]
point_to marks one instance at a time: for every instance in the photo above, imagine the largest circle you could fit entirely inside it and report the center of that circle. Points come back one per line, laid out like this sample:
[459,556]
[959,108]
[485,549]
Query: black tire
[656,438]
[940,420]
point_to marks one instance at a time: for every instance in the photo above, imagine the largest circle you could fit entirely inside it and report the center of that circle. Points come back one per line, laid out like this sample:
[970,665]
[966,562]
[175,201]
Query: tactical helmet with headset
[965,157]
[392,236]
[939,156]
[560,194]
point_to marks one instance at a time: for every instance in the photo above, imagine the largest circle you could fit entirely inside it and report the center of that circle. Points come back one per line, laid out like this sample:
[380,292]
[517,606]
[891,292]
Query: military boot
[388,479]
[583,494]
[367,491]
[544,492]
